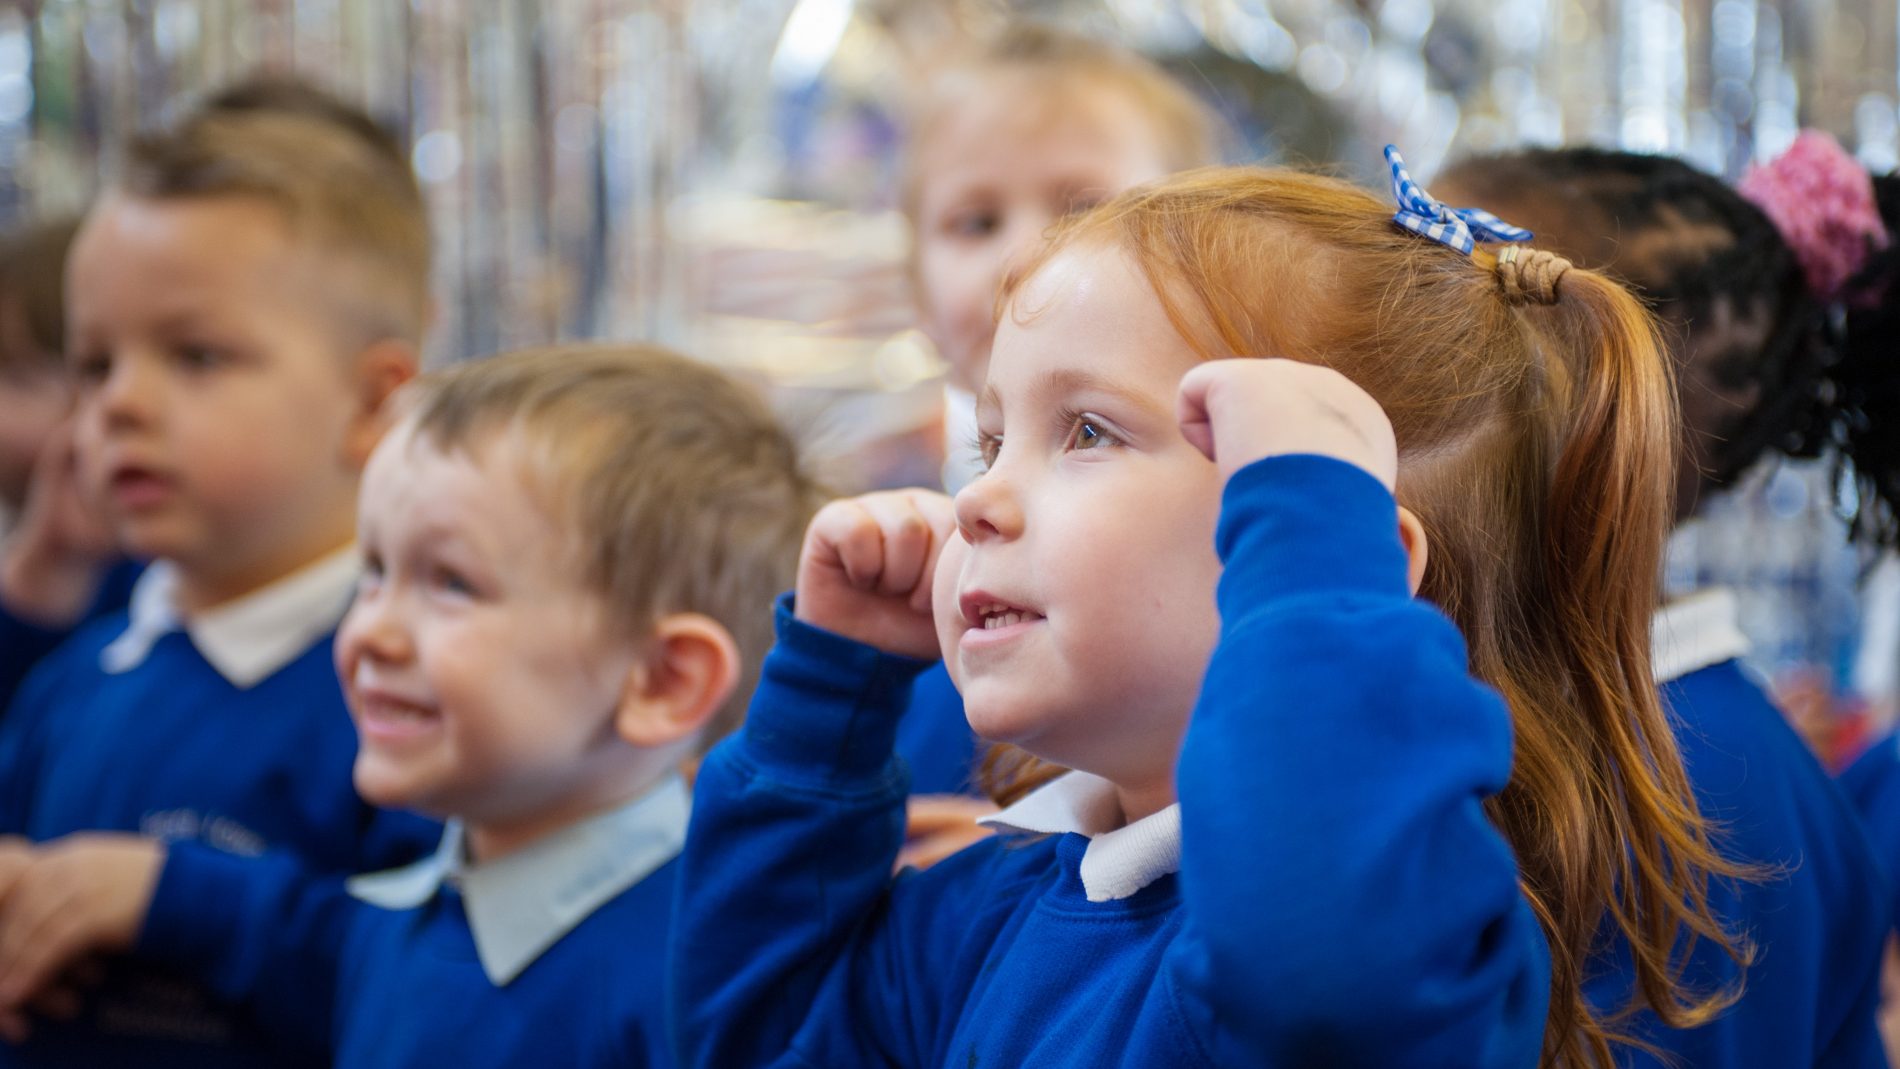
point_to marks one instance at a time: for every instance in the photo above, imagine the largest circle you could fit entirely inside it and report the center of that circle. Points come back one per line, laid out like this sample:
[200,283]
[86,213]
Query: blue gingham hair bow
[1460,228]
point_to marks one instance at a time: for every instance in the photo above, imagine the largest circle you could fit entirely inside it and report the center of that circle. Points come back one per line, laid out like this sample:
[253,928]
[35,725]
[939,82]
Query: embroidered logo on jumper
[178,825]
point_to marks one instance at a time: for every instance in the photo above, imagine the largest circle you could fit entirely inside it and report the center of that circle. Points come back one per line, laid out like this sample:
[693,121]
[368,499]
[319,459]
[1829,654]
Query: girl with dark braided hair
[1774,301]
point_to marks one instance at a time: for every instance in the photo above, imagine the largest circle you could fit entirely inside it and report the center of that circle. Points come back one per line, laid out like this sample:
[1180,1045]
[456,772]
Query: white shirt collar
[1121,859]
[1694,632]
[247,639]
[523,903]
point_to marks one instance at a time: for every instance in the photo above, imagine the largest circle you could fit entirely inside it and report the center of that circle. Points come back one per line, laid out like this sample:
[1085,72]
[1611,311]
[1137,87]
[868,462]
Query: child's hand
[50,570]
[78,896]
[866,567]
[1240,411]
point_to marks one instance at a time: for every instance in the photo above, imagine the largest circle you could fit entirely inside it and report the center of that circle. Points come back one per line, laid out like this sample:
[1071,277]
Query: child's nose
[374,628]
[988,509]
[128,393]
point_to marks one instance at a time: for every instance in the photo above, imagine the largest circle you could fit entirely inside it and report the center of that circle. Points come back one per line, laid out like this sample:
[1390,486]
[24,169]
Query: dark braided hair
[1865,380]
[1829,376]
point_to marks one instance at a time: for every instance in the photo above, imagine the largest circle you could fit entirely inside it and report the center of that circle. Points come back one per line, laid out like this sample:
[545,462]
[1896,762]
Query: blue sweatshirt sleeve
[1348,901]
[262,932]
[796,823]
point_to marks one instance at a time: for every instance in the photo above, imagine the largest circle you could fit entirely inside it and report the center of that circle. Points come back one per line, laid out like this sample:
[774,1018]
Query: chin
[999,716]
[382,786]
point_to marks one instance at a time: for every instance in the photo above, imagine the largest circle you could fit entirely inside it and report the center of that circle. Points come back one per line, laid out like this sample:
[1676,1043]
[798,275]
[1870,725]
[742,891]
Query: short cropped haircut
[342,182]
[33,288]
[682,492]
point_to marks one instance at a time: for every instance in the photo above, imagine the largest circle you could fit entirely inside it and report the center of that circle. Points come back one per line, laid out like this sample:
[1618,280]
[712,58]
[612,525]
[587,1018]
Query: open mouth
[136,487]
[987,612]
[997,615]
[386,716]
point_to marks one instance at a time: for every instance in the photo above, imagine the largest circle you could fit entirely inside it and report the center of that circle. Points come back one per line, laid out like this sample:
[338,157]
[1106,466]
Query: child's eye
[372,575]
[974,224]
[987,446]
[91,367]
[449,581]
[1089,432]
[200,357]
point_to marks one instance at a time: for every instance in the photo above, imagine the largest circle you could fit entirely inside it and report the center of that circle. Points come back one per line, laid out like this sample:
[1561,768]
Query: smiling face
[483,672]
[996,174]
[215,397]
[1076,609]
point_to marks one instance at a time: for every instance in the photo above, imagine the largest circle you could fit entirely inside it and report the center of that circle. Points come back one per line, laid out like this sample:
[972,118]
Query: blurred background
[720,175]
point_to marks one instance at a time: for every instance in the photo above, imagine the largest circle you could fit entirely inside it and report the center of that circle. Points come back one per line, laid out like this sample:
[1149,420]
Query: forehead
[1026,127]
[224,235]
[147,261]
[485,485]
[1089,309]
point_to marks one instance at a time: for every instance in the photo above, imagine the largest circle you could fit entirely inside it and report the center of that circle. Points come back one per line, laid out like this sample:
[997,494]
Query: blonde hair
[682,491]
[340,181]
[1186,130]
[1536,423]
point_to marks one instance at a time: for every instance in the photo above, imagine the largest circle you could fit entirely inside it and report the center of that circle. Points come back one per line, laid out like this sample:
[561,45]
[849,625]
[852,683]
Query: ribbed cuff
[827,706]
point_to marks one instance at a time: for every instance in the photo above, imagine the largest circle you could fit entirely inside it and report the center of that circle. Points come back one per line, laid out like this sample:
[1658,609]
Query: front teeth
[991,623]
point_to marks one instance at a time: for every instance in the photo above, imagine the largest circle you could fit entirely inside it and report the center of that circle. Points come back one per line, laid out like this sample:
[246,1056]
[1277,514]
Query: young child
[1352,852]
[567,553]
[241,302]
[45,523]
[1743,316]
[59,567]
[1035,124]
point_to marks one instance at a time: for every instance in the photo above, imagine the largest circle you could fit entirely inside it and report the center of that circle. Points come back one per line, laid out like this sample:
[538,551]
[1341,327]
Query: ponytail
[1606,525]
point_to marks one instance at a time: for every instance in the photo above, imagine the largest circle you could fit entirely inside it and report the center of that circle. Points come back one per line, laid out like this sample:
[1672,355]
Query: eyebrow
[1067,381]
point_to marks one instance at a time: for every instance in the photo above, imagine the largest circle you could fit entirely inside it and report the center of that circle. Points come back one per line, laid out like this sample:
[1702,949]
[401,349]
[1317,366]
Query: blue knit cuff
[827,707]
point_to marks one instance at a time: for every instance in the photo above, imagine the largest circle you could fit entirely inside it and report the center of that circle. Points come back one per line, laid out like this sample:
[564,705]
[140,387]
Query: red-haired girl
[1348,652]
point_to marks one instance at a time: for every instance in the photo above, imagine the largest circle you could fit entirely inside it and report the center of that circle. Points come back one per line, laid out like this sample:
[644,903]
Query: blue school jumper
[23,644]
[1872,785]
[172,748]
[1817,919]
[552,956]
[1341,898]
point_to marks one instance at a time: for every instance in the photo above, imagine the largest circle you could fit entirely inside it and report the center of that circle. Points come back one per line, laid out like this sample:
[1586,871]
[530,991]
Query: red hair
[1537,445]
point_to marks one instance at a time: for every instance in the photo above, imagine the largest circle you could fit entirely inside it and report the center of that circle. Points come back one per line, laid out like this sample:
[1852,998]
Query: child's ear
[689,668]
[381,370]
[1417,547]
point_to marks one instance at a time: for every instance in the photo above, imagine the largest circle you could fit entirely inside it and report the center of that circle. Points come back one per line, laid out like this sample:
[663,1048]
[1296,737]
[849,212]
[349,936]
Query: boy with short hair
[568,557]
[240,304]
[58,566]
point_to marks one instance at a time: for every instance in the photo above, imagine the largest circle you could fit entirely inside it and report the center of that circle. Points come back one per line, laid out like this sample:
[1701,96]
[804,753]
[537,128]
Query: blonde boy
[241,301]
[570,556]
